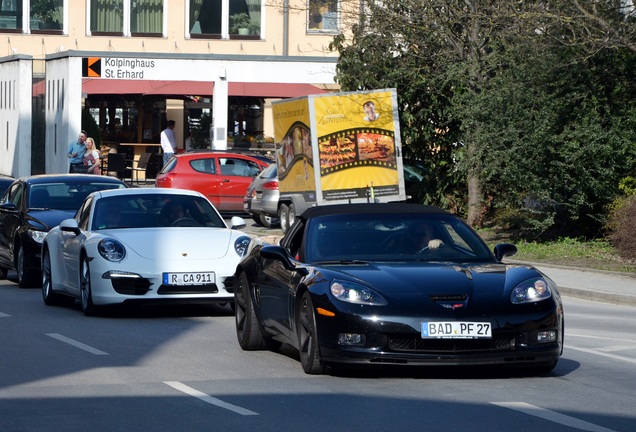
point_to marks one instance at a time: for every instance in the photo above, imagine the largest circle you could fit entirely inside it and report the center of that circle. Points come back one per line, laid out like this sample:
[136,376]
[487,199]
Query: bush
[622,225]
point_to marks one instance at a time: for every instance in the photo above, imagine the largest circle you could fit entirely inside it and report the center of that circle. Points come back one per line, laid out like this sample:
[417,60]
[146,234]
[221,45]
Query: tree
[455,64]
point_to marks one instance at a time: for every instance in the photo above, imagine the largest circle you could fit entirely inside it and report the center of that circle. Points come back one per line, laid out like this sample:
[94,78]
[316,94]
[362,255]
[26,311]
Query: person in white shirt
[168,141]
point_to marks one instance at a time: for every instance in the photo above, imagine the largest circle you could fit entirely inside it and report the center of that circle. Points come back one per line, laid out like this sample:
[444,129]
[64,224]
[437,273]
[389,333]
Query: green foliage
[549,127]
[627,185]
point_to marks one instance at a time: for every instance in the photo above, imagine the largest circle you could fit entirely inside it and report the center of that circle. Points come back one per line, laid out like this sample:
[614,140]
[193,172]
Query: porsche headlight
[353,293]
[241,244]
[531,290]
[111,250]
[37,236]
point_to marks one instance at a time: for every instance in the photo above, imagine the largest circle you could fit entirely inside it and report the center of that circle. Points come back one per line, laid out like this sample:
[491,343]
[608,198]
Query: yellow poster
[353,151]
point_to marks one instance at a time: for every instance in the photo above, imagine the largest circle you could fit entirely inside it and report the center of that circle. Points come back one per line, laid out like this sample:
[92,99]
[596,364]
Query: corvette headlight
[353,293]
[531,290]
[37,236]
[241,244]
[111,250]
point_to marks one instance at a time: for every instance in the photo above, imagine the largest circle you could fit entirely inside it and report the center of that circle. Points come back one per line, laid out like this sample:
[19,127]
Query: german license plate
[199,278]
[456,329]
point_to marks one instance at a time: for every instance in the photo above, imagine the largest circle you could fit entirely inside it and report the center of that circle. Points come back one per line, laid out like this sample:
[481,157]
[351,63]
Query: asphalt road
[181,369]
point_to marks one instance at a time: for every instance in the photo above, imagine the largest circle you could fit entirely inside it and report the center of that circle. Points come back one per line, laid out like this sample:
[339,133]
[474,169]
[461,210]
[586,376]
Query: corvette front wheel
[249,334]
[308,337]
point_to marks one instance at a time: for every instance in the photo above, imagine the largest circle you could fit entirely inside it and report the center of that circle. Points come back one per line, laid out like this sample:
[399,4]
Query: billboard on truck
[340,146]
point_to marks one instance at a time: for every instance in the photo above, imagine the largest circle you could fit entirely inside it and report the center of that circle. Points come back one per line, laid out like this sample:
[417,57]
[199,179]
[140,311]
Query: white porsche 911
[142,245]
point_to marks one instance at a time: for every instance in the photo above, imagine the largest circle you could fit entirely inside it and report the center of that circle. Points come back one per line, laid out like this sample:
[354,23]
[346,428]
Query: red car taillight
[165,181]
[270,185]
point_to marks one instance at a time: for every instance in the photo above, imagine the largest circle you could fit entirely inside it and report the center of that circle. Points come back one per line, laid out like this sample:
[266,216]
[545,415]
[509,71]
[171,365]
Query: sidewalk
[602,286]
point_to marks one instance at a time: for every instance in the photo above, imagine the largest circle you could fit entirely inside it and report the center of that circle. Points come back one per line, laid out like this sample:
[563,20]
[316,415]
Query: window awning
[95,86]
[195,88]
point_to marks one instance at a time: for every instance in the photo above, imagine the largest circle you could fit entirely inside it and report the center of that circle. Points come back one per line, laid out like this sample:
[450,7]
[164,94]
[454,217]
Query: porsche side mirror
[503,250]
[70,225]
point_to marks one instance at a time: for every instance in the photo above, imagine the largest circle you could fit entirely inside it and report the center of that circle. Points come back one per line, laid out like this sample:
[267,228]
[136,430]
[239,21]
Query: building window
[146,16]
[107,16]
[322,15]
[47,15]
[11,15]
[243,17]
[127,17]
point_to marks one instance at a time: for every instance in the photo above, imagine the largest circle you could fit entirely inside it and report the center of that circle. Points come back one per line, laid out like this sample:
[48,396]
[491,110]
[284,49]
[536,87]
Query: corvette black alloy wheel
[248,332]
[307,337]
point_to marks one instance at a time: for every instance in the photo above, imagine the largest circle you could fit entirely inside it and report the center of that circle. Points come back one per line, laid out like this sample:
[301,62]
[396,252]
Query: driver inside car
[421,237]
[171,213]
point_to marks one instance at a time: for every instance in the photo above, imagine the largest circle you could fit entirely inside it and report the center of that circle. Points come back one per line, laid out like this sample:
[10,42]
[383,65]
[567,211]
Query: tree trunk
[474,187]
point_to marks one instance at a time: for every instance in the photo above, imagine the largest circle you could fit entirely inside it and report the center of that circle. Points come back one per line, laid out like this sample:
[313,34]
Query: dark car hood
[452,284]
[46,219]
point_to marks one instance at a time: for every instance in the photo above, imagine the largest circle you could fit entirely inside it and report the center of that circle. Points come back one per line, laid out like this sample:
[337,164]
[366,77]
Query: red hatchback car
[223,177]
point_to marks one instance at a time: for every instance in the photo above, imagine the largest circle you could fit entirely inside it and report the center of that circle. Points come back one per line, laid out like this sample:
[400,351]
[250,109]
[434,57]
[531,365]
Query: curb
[597,296]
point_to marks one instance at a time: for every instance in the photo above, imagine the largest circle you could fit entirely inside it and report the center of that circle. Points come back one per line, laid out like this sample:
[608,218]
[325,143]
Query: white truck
[337,148]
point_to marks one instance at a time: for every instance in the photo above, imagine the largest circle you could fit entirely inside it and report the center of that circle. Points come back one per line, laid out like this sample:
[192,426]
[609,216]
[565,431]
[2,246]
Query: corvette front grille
[419,345]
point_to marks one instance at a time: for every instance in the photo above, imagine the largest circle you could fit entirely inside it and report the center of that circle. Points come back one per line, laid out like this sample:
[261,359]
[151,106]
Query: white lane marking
[4,315]
[76,344]
[617,348]
[209,399]
[552,416]
[599,337]
[591,351]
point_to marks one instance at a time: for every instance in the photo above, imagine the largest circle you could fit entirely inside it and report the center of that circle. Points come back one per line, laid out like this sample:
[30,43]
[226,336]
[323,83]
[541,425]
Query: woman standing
[91,157]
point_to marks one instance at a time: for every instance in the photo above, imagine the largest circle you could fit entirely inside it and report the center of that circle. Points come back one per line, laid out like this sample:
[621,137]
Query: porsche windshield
[154,210]
[388,237]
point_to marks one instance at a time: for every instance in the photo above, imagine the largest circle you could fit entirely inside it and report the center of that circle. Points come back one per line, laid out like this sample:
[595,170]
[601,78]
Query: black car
[395,284]
[30,207]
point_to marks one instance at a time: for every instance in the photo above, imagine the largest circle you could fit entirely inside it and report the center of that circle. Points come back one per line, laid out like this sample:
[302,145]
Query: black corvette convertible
[395,284]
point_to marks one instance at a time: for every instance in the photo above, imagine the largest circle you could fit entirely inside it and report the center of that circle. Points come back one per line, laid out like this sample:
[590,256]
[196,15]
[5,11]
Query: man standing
[168,141]
[76,152]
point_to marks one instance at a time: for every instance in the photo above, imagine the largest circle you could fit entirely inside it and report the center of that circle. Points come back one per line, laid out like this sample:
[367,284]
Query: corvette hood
[175,244]
[441,283]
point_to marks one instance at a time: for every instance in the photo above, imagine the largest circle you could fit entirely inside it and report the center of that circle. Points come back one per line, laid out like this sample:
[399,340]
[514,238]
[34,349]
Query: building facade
[127,66]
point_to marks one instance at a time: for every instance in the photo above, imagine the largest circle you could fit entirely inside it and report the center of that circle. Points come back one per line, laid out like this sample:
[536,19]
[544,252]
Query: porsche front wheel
[308,337]
[50,297]
[85,289]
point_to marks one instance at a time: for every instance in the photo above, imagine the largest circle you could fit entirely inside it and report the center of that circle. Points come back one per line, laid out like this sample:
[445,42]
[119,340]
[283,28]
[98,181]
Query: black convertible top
[399,208]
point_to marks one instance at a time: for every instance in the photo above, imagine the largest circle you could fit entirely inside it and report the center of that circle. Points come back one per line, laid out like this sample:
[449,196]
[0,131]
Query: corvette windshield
[393,237]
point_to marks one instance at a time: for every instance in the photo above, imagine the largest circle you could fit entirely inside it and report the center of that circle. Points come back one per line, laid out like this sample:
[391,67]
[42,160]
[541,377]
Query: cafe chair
[142,164]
